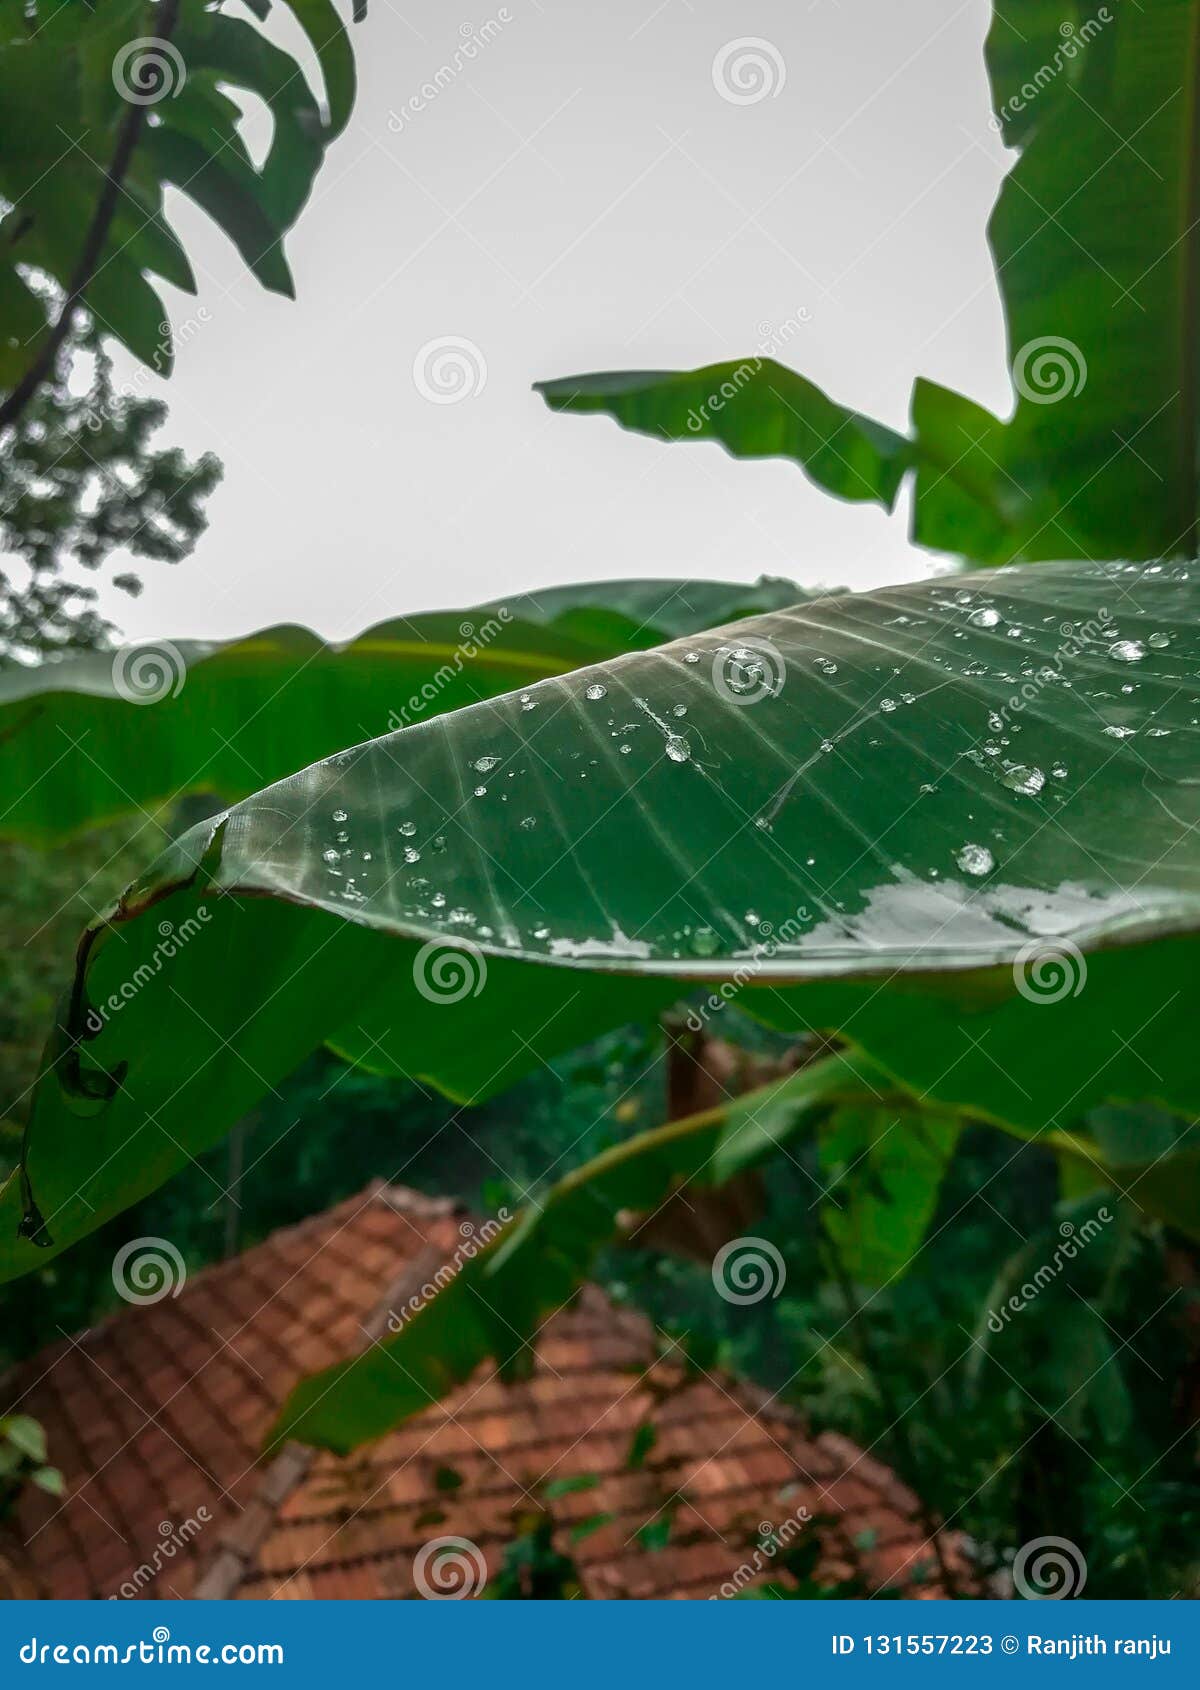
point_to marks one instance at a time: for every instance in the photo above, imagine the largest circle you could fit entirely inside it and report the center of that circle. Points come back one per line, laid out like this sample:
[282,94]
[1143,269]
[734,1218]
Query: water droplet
[1158,733]
[331,856]
[753,919]
[975,859]
[366,856]
[826,745]
[908,698]
[625,750]
[826,665]
[340,816]
[407,829]
[1018,777]
[342,837]
[888,704]
[691,657]
[528,821]
[1120,733]
[677,748]
[480,791]
[596,691]
[439,844]
[1159,641]
[482,764]
[528,703]
[1127,651]
[438,900]
[1059,771]
[705,941]
[985,617]
[679,710]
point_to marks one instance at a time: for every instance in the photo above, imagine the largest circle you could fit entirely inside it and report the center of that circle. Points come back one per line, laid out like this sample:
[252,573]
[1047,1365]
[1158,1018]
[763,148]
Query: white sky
[581,198]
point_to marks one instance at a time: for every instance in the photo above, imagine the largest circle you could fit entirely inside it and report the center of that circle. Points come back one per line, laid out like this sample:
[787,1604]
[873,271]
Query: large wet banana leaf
[109,734]
[958,822]
[1102,307]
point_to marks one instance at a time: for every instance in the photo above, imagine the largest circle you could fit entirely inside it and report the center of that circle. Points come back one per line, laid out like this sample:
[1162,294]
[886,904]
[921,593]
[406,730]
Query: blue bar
[577,1645]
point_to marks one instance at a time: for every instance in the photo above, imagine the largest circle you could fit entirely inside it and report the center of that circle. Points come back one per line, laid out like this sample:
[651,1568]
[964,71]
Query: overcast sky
[582,197]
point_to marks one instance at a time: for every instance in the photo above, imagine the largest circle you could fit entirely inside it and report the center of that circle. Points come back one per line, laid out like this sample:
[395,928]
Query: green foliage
[23,1461]
[80,478]
[105,105]
[96,739]
[1098,459]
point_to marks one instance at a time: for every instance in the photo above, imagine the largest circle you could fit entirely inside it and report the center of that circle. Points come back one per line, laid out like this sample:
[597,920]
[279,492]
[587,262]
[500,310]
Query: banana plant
[1098,458]
[105,735]
[954,825]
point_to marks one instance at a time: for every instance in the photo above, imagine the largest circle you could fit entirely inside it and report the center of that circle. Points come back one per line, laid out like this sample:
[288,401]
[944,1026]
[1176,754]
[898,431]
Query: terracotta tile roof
[157,1419]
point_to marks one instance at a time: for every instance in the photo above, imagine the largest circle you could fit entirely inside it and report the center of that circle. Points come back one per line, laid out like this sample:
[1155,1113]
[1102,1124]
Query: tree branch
[128,135]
